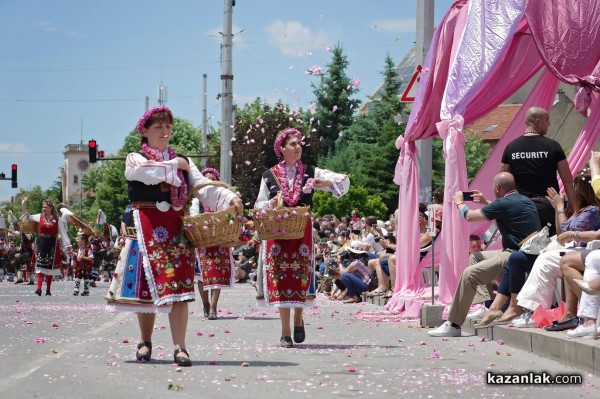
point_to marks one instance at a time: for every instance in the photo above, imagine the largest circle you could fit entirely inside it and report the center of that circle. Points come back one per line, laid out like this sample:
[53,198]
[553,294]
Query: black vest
[305,199]
[139,191]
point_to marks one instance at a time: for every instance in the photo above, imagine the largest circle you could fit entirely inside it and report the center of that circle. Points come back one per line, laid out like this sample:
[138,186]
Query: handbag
[535,243]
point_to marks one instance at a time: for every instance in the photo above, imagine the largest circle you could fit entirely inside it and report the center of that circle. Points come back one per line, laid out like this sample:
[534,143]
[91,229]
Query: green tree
[367,149]
[476,152]
[357,198]
[334,105]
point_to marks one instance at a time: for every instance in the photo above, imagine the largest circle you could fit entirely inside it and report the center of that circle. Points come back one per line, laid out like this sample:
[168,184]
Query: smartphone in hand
[467,195]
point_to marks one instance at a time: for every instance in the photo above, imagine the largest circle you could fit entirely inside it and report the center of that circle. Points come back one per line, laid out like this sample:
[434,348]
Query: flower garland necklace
[178,194]
[290,198]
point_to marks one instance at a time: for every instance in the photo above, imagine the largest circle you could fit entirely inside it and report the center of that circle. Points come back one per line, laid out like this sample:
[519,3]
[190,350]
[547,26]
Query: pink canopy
[481,53]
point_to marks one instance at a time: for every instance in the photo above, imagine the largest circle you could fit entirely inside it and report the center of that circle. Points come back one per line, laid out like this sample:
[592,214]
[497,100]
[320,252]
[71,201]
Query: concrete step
[583,354]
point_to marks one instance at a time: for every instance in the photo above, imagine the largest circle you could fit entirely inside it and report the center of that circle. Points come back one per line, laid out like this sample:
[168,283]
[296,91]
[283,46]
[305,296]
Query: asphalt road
[70,347]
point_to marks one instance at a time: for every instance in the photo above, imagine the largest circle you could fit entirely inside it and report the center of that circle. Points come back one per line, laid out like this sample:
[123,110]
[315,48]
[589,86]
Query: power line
[46,100]
[109,68]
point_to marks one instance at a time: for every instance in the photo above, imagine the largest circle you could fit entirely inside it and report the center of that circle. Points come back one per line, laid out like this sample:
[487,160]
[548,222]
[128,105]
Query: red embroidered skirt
[216,267]
[287,269]
[163,270]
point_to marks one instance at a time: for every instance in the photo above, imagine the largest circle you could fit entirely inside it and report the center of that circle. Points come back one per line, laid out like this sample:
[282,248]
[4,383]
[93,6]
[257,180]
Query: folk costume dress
[51,238]
[288,264]
[215,264]
[83,267]
[156,264]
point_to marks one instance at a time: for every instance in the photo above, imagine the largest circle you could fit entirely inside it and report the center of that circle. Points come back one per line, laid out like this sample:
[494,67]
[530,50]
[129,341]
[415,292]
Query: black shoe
[48,293]
[181,360]
[85,293]
[147,356]
[206,312]
[299,333]
[286,342]
[38,292]
[30,283]
[563,325]
[18,281]
[75,293]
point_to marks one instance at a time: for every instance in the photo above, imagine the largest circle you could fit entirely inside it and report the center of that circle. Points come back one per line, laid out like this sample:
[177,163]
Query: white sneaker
[524,321]
[478,314]
[445,330]
[586,332]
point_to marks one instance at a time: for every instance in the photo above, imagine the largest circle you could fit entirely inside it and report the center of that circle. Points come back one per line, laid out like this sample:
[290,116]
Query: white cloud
[13,148]
[398,25]
[49,27]
[293,38]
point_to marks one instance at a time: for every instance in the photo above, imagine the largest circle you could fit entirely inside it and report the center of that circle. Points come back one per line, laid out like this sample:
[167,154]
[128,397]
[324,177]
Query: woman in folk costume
[287,264]
[82,264]
[155,272]
[215,264]
[52,237]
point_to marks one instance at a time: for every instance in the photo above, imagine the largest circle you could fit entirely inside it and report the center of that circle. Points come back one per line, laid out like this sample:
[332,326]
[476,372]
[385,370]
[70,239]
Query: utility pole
[204,121]
[424,147]
[226,93]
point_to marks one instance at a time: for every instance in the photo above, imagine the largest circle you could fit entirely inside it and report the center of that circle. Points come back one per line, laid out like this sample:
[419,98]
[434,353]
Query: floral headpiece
[281,138]
[49,203]
[213,171]
[148,114]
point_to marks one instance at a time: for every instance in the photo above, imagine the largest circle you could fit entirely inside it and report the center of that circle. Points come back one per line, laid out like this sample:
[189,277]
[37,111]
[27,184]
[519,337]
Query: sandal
[388,294]
[182,361]
[145,357]
[206,312]
[377,292]
[212,316]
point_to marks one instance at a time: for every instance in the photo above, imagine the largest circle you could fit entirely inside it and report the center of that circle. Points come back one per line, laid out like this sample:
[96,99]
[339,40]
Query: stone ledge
[583,354]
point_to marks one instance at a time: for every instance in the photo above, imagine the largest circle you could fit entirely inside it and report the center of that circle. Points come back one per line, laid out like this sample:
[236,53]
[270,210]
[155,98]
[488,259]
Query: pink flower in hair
[148,114]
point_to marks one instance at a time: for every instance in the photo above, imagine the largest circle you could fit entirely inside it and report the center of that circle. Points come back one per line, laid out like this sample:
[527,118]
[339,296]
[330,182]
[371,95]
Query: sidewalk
[583,354]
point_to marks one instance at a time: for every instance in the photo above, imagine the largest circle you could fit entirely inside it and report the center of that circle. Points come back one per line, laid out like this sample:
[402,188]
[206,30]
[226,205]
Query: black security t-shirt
[533,162]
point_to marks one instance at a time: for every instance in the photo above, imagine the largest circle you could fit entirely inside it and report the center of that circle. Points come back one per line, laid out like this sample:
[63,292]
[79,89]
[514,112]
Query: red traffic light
[92,150]
[13,177]
[101,153]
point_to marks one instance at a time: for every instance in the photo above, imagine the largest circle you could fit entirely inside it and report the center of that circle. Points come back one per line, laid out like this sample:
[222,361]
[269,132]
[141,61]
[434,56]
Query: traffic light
[13,177]
[92,148]
[101,154]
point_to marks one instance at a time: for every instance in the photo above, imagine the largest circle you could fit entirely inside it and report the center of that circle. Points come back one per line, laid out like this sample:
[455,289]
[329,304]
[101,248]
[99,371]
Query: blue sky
[68,63]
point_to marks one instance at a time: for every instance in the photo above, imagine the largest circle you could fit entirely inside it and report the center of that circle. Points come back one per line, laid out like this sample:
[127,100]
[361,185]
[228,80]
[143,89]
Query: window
[75,179]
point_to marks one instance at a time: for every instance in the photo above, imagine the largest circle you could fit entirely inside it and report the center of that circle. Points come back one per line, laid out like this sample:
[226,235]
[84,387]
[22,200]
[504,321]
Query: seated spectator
[355,276]
[538,289]
[475,244]
[243,268]
[516,217]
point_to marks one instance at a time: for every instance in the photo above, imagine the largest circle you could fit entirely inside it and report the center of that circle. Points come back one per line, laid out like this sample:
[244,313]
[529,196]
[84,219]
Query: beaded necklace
[178,195]
[290,198]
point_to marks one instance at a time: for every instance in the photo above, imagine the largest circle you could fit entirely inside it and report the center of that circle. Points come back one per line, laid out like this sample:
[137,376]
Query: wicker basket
[281,223]
[213,229]
[28,226]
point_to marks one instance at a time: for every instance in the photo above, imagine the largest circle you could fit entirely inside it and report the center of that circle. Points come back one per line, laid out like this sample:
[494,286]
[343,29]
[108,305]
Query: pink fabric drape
[580,154]
[567,34]
[421,124]
[489,31]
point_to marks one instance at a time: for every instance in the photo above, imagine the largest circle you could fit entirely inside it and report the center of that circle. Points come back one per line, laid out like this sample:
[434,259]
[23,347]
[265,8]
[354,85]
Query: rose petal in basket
[212,229]
[281,223]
